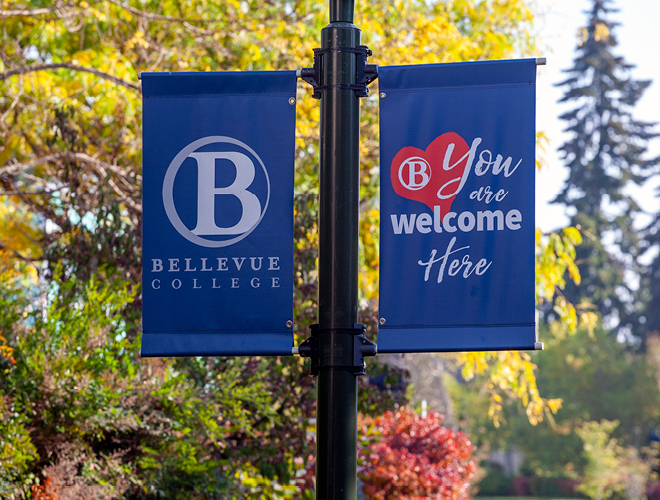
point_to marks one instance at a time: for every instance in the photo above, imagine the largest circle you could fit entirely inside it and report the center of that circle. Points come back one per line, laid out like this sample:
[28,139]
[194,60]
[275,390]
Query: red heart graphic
[424,175]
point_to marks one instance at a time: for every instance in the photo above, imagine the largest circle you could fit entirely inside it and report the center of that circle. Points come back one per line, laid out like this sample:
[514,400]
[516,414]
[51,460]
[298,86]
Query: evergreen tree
[605,154]
[650,282]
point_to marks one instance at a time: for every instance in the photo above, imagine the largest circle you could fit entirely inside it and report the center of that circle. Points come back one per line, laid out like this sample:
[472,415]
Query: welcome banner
[218,213]
[457,207]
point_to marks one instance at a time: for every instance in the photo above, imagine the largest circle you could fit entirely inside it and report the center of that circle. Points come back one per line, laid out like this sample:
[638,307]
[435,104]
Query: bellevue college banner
[457,207]
[218,213]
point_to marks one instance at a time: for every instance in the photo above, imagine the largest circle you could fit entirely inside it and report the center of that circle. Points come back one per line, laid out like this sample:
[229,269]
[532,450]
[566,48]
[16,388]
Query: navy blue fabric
[216,344]
[206,293]
[214,84]
[483,307]
[456,339]
[442,76]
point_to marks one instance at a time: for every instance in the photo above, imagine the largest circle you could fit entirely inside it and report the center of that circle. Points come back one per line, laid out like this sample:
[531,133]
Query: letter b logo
[212,200]
[414,173]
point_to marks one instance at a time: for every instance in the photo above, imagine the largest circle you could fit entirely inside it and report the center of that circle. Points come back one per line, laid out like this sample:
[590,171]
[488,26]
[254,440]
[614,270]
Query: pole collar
[366,73]
[333,342]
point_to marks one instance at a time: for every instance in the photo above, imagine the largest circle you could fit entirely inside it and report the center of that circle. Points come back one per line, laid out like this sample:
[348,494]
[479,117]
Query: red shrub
[408,457]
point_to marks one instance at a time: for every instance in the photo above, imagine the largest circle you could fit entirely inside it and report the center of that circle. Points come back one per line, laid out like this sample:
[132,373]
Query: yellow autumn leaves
[104,44]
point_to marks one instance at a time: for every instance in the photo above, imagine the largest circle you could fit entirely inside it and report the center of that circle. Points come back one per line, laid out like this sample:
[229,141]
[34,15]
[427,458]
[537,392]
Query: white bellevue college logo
[252,210]
[419,173]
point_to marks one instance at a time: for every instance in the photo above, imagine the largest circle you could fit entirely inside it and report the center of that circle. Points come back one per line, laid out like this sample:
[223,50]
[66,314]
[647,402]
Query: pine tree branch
[47,67]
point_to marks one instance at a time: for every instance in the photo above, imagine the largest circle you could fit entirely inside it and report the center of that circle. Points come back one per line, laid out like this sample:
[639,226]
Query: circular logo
[245,205]
[414,173]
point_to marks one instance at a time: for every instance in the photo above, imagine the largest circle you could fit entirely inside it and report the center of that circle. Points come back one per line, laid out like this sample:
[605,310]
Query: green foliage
[260,487]
[596,378]
[16,449]
[494,483]
[105,421]
[611,468]
[602,468]
[385,388]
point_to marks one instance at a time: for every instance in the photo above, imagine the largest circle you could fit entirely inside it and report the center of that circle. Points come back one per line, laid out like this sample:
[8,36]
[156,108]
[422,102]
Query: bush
[405,456]
[495,482]
[82,416]
[557,487]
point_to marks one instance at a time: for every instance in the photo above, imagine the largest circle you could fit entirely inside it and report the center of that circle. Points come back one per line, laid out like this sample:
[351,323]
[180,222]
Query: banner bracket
[343,361]
[366,73]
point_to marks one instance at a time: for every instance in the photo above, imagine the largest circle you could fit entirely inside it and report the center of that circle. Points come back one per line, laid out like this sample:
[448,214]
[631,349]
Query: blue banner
[218,172]
[457,207]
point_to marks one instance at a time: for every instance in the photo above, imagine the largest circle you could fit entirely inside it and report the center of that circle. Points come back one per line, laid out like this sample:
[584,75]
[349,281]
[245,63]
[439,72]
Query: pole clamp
[366,73]
[326,347]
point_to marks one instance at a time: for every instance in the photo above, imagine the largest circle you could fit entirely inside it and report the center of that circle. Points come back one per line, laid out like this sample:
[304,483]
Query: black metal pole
[336,459]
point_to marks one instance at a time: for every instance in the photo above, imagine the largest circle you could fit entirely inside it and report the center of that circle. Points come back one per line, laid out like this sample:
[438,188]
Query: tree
[81,410]
[70,172]
[605,154]
[612,468]
[650,280]
[596,378]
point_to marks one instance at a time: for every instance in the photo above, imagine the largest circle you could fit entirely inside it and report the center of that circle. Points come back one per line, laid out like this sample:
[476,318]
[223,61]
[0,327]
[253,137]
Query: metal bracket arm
[338,358]
[366,73]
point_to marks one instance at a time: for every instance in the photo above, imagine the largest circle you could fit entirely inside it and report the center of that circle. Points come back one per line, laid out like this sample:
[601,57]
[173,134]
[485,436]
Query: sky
[637,44]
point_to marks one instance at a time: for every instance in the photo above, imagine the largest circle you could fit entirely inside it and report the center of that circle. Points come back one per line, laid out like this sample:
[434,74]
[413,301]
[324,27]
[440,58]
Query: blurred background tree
[606,154]
[597,378]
